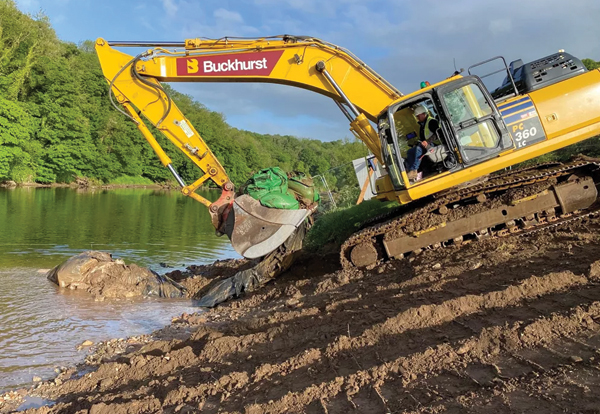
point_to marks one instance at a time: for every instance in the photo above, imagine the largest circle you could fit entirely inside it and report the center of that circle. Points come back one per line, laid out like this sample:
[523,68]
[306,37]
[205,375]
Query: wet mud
[502,325]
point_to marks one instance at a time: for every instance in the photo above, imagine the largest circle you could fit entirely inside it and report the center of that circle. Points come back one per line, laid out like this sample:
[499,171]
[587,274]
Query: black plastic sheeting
[269,268]
[164,287]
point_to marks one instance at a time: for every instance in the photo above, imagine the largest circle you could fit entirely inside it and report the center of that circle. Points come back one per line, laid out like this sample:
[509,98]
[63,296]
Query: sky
[404,41]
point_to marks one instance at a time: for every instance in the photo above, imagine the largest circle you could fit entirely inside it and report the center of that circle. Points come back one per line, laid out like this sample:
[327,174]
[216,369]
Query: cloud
[146,23]
[306,6]
[404,41]
[58,19]
[227,15]
[170,7]
[395,40]
[465,30]
[272,108]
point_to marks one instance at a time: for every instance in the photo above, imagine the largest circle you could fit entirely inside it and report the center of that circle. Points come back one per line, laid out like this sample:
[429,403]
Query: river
[40,324]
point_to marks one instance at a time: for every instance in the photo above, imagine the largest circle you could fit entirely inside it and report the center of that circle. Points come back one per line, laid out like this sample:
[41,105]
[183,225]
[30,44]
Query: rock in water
[97,273]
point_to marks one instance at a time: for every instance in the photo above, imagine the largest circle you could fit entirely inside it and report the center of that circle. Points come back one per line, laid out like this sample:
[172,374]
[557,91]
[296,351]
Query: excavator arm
[308,63]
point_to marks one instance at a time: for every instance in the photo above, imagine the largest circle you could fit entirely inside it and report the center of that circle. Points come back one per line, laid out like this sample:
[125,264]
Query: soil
[495,326]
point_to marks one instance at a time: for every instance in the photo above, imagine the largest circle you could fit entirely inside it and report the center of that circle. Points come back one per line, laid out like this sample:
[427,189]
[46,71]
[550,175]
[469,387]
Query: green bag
[281,201]
[273,189]
[267,181]
[304,187]
[270,187]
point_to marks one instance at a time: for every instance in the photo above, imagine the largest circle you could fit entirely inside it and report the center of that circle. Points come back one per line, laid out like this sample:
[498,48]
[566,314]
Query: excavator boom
[309,63]
[303,62]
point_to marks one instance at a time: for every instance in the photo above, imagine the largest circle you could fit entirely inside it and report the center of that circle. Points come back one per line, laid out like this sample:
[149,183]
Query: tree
[15,135]
[57,122]
[591,64]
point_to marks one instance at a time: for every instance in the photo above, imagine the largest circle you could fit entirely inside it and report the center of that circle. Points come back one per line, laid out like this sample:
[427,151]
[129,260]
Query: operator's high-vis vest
[428,134]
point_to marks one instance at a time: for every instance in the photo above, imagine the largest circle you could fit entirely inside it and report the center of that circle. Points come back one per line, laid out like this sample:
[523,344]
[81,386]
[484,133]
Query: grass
[129,180]
[334,227]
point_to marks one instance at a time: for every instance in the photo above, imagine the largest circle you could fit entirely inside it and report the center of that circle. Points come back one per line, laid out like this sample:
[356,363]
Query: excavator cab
[471,130]
[400,132]
[408,132]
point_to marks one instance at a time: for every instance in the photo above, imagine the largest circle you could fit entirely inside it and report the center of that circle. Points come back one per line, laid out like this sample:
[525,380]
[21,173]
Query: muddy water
[41,325]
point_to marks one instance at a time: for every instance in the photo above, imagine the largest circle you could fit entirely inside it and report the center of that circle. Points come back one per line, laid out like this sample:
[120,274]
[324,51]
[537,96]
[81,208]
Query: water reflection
[40,326]
[147,227]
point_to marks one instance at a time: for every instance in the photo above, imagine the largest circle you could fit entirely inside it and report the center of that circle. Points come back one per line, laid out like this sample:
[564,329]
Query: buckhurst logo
[237,64]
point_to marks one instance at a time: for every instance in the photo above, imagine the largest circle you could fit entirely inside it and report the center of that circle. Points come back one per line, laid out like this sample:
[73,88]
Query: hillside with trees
[57,124]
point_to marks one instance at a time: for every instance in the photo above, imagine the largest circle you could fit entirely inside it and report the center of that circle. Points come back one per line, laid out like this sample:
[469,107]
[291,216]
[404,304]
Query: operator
[428,126]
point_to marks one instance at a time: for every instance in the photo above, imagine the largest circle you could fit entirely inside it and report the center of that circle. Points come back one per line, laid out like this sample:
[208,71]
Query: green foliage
[56,121]
[15,139]
[336,226]
[590,64]
[347,196]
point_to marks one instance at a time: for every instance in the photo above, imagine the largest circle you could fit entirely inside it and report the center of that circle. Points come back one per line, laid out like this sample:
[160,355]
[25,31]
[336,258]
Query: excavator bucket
[255,230]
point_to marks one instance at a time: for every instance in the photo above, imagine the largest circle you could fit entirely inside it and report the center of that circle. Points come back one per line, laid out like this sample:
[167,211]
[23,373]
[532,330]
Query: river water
[40,324]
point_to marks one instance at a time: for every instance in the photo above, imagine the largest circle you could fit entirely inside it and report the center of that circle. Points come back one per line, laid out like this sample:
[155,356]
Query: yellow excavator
[540,107]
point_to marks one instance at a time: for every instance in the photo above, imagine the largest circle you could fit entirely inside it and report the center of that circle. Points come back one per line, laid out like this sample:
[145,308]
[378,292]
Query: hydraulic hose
[155,86]
[137,76]
[111,93]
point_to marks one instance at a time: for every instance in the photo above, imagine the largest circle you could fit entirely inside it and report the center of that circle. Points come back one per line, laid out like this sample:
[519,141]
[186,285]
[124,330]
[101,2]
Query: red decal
[528,115]
[237,64]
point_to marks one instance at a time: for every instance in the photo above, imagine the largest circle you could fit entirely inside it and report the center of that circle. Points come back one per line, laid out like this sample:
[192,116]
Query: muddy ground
[507,325]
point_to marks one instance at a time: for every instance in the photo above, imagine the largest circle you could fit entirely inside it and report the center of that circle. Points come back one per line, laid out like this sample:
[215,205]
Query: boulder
[99,274]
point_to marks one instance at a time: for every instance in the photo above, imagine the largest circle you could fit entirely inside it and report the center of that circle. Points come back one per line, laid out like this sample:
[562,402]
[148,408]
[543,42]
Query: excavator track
[516,202]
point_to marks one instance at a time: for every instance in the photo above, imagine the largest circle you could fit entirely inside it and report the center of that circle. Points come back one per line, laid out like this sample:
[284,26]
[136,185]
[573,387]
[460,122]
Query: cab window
[466,106]
[466,103]
[391,160]
[391,157]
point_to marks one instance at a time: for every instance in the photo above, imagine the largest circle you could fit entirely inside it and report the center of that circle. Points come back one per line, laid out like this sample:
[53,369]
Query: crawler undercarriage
[515,202]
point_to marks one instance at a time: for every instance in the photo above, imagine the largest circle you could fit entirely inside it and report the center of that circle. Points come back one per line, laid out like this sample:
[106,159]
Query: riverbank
[85,185]
[502,325]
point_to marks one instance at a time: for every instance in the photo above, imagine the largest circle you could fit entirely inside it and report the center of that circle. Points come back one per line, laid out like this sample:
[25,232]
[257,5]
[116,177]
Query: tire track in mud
[417,319]
[567,361]
[542,392]
[492,341]
[356,358]
[431,315]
